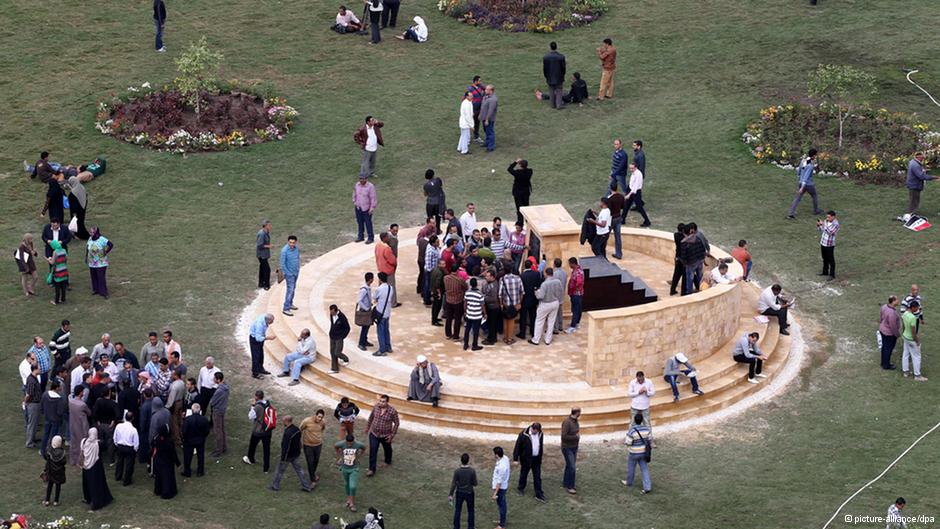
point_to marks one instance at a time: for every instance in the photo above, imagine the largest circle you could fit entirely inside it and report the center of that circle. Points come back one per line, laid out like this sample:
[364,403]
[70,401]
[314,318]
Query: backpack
[269,419]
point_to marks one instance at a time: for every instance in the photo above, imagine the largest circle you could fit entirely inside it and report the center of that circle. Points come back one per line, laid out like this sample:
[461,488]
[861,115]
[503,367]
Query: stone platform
[503,388]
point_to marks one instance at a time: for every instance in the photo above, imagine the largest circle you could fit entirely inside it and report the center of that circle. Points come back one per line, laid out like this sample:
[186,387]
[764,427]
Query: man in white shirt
[305,353]
[206,383]
[528,453]
[720,275]
[771,304]
[500,484]
[26,367]
[75,377]
[126,443]
[602,226]
[468,221]
[634,196]
[369,137]
[108,367]
[640,391]
[346,20]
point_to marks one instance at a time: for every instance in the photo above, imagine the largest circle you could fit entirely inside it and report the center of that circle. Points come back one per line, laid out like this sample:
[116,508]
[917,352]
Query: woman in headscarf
[159,417]
[79,414]
[60,271]
[78,202]
[94,483]
[165,462]
[417,33]
[55,199]
[98,249]
[26,261]
[55,470]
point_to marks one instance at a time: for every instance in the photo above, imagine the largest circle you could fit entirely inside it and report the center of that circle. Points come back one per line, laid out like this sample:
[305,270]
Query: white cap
[681,358]
[81,351]
[422,358]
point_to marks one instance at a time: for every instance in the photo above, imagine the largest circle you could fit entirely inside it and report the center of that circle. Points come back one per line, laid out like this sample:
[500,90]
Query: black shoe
[889,367]
[284,374]
[265,372]
[822,274]
[541,499]
[437,324]
[362,348]
[359,240]
[477,348]
[259,376]
[370,344]
[791,217]
[520,492]
[785,332]
[646,224]
[520,336]
[532,342]
[396,305]
[434,403]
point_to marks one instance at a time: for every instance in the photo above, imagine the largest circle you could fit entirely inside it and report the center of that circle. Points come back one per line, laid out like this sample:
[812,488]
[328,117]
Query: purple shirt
[363,197]
[890,323]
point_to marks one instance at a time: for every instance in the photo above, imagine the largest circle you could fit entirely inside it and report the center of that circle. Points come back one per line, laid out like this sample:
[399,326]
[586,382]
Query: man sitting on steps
[747,352]
[305,353]
[771,303]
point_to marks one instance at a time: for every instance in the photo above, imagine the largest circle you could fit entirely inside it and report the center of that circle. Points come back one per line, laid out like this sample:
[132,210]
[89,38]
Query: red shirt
[741,255]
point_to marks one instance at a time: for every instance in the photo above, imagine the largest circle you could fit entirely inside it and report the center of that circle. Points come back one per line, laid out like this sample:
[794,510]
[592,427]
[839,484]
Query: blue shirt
[42,358]
[382,301]
[806,173]
[618,164]
[916,175]
[259,329]
[290,261]
[639,160]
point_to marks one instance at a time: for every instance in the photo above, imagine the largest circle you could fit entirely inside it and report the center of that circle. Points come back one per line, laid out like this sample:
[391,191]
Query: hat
[681,358]
[422,359]
[143,374]
[81,351]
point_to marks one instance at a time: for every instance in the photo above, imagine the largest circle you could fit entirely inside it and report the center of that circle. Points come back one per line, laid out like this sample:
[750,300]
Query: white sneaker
[570,330]
[162,50]
[761,375]
[25,166]
[245,460]
[753,381]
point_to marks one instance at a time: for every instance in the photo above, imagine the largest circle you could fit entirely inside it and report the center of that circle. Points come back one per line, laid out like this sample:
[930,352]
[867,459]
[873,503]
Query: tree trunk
[841,119]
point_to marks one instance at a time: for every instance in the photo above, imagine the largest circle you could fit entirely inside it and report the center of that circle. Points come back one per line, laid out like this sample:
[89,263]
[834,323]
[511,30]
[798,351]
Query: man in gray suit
[549,295]
[488,116]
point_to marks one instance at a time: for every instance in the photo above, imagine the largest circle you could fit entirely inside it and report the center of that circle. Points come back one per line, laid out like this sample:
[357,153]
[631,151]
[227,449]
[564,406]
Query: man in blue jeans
[159,18]
[461,491]
[488,116]
[570,439]
[501,484]
[673,370]
[305,353]
[805,184]
[383,304]
[637,438]
[290,267]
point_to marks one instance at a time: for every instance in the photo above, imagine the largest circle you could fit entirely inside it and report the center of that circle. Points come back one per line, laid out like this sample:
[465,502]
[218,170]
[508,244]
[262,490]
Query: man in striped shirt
[637,437]
[827,243]
[432,254]
[475,310]
[498,244]
[510,299]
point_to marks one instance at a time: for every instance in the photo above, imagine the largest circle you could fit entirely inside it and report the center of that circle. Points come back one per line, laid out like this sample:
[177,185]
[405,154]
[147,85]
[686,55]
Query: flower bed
[876,148]
[235,116]
[540,16]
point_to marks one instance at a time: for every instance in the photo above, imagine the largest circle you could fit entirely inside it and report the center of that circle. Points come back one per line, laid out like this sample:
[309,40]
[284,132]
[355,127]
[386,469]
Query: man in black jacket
[528,453]
[195,431]
[60,345]
[290,453]
[553,68]
[55,231]
[531,280]
[339,330]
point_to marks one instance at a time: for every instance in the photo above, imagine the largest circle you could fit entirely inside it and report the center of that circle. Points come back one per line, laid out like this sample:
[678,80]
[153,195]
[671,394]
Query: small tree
[842,86]
[197,68]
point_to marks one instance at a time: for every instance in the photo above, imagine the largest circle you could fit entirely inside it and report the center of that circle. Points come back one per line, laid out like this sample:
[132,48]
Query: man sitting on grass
[578,92]
[346,22]
[85,173]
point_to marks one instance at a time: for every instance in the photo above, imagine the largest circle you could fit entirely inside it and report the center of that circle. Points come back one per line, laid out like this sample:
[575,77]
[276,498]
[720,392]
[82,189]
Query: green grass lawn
[690,75]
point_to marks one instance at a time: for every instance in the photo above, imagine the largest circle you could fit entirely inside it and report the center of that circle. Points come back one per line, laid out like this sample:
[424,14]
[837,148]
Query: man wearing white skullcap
[673,370]
[425,385]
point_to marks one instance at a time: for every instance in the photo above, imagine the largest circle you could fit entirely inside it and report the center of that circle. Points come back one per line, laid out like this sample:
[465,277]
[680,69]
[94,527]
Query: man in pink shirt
[363,198]
[889,327]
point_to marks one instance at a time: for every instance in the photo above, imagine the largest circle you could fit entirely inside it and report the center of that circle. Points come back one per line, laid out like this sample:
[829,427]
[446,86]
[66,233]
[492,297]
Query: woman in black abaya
[94,484]
[165,462]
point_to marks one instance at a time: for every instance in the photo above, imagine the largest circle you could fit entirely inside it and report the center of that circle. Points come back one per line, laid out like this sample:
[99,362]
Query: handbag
[363,317]
[376,315]
[44,476]
[280,275]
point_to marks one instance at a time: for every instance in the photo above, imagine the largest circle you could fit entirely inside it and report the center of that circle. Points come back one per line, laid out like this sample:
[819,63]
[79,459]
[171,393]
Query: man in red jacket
[369,137]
